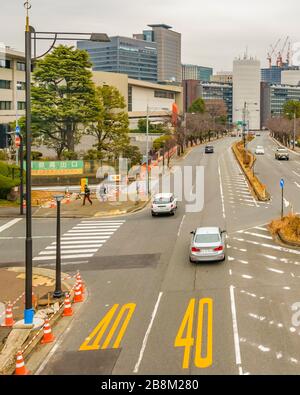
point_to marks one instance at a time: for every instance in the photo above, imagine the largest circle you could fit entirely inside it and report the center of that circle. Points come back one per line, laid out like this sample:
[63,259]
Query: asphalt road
[150,311]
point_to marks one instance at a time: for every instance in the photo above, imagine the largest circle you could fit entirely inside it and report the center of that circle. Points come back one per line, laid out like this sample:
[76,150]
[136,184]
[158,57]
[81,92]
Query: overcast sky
[214,32]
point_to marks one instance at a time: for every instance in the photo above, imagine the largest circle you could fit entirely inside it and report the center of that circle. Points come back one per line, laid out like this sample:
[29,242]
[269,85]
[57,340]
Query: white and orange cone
[79,281]
[9,320]
[48,335]
[53,205]
[68,311]
[78,294]
[68,198]
[20,365]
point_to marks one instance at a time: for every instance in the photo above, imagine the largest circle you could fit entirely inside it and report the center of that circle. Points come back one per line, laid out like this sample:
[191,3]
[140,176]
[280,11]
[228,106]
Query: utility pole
[147,153]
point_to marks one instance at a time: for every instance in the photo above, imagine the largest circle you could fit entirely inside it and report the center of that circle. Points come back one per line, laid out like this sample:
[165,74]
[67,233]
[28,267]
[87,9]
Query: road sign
[18,130]
[282,183]
[17,141]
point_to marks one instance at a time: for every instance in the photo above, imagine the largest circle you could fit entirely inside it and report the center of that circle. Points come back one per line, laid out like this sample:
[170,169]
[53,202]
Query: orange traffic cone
[78,295]
[48,335]
[9,321]
[79,281]
[20,365]
[24,203]
[53,205]
[68,311]
[68,198]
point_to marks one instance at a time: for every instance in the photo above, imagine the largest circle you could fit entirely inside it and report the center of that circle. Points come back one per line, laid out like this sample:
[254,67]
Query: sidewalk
[12,291]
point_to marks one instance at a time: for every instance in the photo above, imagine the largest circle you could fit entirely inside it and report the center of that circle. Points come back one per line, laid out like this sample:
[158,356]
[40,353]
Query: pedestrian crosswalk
[82,241]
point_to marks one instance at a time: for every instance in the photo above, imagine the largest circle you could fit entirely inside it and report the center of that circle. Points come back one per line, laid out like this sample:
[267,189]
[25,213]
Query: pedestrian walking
[87,194]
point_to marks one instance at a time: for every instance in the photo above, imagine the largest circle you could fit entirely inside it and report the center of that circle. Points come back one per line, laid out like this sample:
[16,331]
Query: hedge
[6,180]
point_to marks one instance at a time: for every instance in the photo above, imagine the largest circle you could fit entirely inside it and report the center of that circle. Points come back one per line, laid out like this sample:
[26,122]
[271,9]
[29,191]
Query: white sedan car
[260,150]
[164,203]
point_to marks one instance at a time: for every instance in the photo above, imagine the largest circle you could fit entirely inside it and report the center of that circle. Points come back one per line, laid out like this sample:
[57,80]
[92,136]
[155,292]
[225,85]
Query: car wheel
[191,260]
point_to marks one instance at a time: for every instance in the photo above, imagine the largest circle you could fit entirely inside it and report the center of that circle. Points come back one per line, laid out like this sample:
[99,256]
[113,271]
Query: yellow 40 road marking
[92,342]
[187,341]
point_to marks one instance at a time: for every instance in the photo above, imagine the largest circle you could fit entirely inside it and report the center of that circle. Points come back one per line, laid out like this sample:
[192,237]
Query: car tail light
[194,249]
[218,249]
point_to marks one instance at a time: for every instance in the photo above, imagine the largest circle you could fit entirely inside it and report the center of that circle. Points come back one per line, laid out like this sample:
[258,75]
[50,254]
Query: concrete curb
[287,242]
[257,194]
[20,338]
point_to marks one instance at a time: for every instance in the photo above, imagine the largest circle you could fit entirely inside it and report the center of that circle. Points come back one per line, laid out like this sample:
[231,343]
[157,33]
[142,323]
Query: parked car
[208,244]
[282,153]
[209,149]
[164,203]
[259,150]
[257,134]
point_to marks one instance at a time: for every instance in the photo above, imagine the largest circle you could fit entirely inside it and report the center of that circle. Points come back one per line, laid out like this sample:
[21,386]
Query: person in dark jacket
[87,194]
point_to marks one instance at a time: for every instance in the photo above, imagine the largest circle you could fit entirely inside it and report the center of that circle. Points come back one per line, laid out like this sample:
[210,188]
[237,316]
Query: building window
[21,86]
[130,98]
[164,94]
[5,64]
[21,105]
[5,84]
[21,66]
[5,105]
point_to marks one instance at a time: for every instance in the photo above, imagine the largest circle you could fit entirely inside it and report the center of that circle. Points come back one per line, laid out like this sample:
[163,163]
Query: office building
[273,99]
[273,74]
[12,90]
[138,94]
[193,89]
[246,89]
[223,77]
[168,51]
[290,77]
[194,72]
[136,58]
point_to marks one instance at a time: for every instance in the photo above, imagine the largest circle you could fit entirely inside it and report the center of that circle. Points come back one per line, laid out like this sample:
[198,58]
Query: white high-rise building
[246,89]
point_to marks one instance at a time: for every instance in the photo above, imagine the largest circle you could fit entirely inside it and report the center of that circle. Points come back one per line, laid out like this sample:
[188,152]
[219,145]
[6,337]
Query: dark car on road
[209,149]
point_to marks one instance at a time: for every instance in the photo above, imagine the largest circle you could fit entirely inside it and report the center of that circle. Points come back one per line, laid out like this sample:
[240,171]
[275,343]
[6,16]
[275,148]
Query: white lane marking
[261,228]
[258,235]
[81,238]
[235,328]
[297,174]
[297,185]
[221,189]
[68,252]
[103,222]
[286,202]
[275,270]
[101,240]
[47,258]
[23,238]
[10,224]
[137,366]
[70,234]
[181,224]
[97,227]
[277,248]
[64,247]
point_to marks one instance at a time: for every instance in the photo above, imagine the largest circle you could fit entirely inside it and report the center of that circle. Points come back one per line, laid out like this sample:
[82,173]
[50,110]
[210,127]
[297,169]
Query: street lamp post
[294,139]
[58,293]
[31,34]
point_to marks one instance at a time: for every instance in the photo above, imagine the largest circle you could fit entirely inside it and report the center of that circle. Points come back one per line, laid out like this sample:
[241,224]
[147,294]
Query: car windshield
[203,239]
[162,200]
[209,146]
[281,149]
[260,147]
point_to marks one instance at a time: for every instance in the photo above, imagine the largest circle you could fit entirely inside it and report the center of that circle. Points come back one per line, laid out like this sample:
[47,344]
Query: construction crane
[289,54]
[280,53]
[271,53]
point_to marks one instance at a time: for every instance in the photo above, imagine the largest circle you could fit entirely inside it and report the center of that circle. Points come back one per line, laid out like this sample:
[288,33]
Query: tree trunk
[70,138]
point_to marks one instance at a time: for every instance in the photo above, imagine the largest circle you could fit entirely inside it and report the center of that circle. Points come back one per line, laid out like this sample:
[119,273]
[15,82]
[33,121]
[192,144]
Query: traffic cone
[68,311]
[79,280]
[9,321]
[20,365]
[78,295]
[24,203]
[68,198]
[48,335]
[53,205]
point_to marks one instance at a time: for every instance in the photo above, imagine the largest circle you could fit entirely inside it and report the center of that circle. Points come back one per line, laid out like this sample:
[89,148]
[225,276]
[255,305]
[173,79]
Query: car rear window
[213,238]
[162,201]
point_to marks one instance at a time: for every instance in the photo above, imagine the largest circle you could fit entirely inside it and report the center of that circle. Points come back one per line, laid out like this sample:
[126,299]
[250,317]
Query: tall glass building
[136,58]
[194,72]
[218,91]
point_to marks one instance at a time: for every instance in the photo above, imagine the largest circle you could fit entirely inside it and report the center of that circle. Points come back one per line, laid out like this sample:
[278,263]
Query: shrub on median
[289,227]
